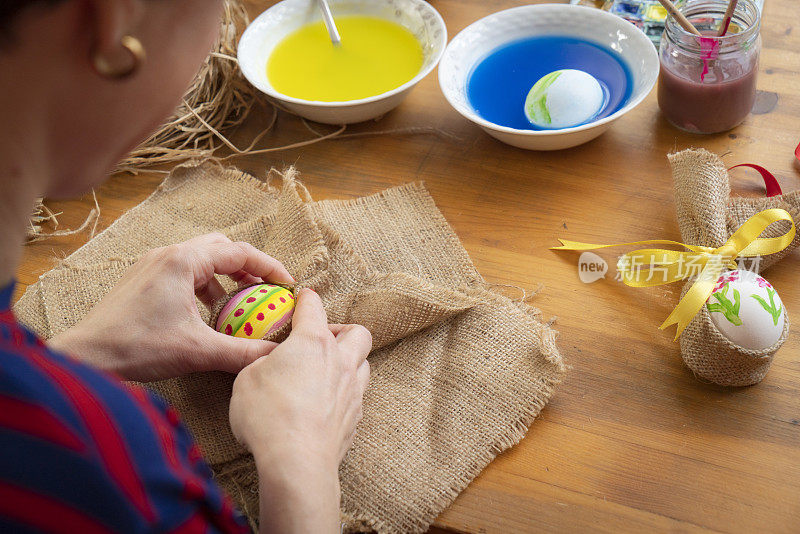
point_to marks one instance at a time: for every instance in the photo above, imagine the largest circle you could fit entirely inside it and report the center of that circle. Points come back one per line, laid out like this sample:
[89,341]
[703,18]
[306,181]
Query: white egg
[564,98]
[747,310]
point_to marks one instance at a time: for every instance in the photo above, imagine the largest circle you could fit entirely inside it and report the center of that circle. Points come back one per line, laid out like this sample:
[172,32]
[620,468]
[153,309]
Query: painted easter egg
[256,312]
[747,310]
[564,98]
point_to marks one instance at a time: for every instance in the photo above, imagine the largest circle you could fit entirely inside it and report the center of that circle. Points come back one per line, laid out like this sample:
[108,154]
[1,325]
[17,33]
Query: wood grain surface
[632,441]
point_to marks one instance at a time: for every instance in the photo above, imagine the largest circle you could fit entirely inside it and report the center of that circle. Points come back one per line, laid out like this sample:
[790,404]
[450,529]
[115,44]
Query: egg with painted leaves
[563,99]
[256,312]
[747,310]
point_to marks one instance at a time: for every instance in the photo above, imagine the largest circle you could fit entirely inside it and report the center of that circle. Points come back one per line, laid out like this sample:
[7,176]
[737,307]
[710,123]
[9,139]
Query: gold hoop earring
[136,50]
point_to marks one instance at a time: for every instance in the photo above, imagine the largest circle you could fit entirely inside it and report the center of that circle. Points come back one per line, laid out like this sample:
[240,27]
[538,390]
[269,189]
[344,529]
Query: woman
[82,82]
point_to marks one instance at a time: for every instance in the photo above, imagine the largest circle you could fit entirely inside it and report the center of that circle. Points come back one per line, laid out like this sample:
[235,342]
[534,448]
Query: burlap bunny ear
[708,216]
[701,197]
[741,209]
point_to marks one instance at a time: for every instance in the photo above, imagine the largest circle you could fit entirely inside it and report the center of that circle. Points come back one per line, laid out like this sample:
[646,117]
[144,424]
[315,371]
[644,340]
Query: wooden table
[632,441]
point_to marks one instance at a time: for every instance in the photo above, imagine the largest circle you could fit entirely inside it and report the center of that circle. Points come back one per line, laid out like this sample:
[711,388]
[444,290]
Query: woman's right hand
[296,410]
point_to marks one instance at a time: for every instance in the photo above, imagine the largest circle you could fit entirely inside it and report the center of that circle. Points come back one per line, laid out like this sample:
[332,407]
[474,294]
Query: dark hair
[10,10]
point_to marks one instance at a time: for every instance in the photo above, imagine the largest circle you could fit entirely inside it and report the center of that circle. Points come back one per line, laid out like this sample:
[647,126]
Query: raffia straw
[219,95]
[42,214]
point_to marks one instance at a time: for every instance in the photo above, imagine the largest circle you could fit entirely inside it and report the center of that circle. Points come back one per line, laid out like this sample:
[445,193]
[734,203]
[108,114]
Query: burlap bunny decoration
[708,216]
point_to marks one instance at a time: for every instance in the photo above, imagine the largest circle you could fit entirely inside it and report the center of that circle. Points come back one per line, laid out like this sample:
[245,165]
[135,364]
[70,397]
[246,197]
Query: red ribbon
[772,185]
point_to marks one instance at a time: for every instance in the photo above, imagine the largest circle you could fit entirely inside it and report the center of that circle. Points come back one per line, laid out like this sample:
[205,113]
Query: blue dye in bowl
[499,84]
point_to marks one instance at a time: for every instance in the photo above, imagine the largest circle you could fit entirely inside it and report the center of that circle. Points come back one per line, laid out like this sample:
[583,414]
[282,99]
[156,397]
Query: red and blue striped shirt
[80,451]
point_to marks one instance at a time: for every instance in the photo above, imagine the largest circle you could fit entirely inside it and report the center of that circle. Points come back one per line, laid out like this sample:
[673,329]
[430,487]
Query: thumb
[222,352]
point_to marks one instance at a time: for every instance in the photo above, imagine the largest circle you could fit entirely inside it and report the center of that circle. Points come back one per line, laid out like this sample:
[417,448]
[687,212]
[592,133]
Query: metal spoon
[329,23]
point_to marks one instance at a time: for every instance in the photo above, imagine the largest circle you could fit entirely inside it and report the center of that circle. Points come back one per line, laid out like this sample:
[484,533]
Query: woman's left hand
[149,328]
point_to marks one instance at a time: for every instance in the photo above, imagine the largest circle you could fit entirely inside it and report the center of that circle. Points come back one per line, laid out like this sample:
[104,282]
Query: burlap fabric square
[708,215]
[459,371]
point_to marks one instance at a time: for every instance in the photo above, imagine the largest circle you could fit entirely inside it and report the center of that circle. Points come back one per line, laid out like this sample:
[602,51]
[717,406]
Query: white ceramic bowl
[476,41]
[266,31]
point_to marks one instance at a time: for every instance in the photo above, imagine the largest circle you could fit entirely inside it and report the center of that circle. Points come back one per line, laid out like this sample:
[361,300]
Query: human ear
[111,23]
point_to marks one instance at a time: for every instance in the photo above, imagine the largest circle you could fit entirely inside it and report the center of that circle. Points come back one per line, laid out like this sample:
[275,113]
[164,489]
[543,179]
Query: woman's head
[75,117]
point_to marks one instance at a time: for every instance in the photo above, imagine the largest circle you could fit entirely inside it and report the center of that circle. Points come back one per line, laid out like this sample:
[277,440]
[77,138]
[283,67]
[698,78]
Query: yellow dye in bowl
[376,55]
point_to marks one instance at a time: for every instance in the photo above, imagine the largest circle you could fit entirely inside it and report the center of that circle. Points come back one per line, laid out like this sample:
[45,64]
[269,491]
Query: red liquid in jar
[718,103]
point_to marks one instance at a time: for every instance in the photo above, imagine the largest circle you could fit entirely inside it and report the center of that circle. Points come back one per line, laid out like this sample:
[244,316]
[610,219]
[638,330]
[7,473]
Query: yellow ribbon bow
[705,263]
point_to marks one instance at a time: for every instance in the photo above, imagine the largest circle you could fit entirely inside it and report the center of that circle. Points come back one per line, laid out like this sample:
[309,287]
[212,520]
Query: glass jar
[708,84]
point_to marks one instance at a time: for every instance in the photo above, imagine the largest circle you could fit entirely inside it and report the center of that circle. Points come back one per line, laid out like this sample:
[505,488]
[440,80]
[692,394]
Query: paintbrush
[677,15]
[726,21]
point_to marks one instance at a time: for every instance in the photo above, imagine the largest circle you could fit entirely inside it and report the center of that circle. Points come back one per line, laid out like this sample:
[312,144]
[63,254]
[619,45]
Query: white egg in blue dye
[564,98]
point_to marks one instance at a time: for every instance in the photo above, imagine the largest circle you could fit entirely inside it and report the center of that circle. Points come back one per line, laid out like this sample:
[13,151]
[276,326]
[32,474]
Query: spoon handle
[327,17]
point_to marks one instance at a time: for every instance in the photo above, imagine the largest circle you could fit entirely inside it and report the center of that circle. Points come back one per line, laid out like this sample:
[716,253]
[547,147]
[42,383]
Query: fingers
[309,318]
[362,375]
[210,293]
[356,412]
[205,239]
[347,444]
[355,341]
[245,279]
[233,258]
[215,253]
[231,354]
[335,328]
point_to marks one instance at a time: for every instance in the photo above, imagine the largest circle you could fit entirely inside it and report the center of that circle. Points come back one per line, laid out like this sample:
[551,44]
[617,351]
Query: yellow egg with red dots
[256,312]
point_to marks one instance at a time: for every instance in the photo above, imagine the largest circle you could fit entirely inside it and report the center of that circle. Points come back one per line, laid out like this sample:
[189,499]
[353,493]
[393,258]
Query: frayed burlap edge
[355,522]
[239,479]
[244,488]
[229,475]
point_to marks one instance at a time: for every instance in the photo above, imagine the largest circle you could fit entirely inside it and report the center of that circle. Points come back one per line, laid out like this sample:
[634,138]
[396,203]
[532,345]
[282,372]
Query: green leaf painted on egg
[536,102]
[724,306]
[774,311]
